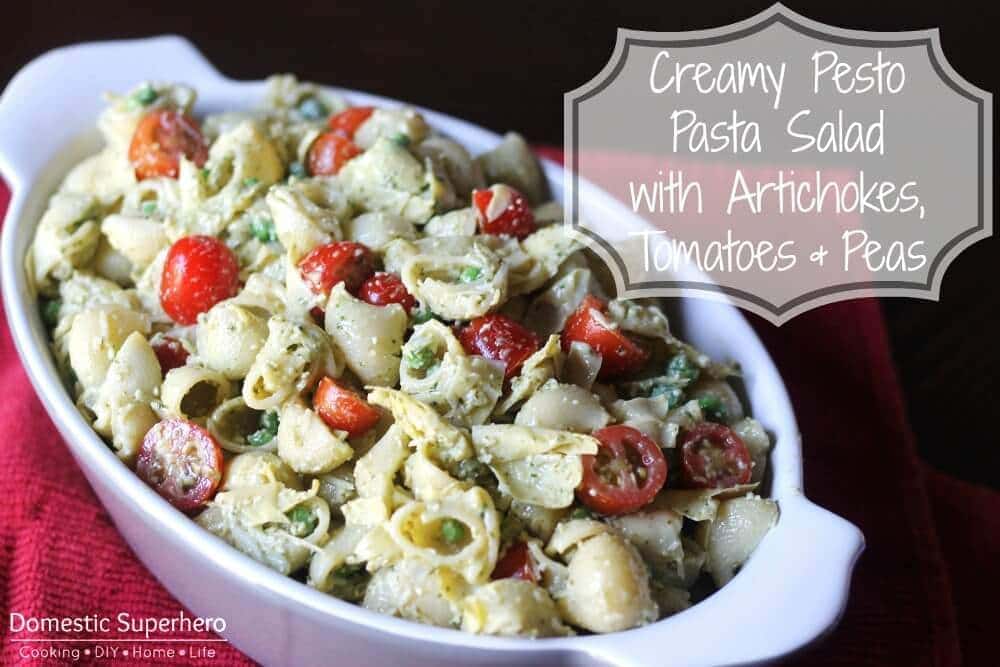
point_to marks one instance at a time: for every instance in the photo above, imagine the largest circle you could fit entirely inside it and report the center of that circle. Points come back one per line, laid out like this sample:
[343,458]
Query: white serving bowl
[792,590]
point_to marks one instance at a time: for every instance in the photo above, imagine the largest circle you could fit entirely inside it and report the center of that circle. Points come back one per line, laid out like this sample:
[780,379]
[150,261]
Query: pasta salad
[382,366]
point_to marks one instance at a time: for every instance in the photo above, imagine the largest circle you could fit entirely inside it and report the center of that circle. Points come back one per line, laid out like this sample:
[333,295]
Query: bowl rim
[90,452]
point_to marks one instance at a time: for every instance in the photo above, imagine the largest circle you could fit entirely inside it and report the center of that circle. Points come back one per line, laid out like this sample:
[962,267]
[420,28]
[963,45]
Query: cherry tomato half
[382,289]
[199,272]
[342,409]
[499,338]
[620,355]
[516,563]
[626,474]
[182,462]
[713,457]
[349,120]
[338,262]
[329,153]
[170,353]
[503,211]
[159,141]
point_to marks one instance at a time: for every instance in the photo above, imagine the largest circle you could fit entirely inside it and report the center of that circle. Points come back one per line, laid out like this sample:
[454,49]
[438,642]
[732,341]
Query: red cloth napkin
[922,593]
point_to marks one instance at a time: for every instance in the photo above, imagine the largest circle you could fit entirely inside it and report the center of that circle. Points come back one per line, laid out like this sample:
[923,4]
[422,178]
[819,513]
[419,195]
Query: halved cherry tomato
[342,409]
[499,338]
[626,474]
[620,355]
[713,457]
[182,462]
[159,141]
[338,262]
[503,211]
[383,288]
[170,353]
[516,563]
[349,120]
[199,272]
[329,153]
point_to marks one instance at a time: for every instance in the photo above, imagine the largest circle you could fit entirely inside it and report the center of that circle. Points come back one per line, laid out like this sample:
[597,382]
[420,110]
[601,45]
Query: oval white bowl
[792,590]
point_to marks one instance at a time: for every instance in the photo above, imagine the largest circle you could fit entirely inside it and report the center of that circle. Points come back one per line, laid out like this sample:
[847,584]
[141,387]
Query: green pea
[712,408]
[422,359]
[452,531]
[260,438]
[263,230]
[303,521]
[470,274]
[269,420]
[50,311]
[267,431]
[313,109]
[145,96]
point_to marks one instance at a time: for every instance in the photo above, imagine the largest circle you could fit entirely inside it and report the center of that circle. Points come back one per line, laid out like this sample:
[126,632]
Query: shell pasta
[375,362]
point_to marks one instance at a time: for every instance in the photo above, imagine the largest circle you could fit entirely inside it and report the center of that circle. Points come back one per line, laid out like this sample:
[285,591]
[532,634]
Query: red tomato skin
[170,353]
[515,220]
[499,338]
[159,141]
[347,122]
[341,261]
[620,355]
[342,409]
[329,153]
[382,289]
[199,272]
[516,563]
[177,435]
[627,496]
[734,453]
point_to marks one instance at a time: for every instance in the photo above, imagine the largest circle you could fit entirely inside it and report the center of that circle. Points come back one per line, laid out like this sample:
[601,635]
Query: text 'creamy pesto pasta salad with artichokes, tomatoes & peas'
[377,364]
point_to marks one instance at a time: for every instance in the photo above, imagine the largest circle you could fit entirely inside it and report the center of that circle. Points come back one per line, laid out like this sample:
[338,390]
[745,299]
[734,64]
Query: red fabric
[922,593]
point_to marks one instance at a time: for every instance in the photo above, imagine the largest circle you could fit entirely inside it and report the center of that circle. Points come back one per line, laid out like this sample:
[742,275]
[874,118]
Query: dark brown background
[506,65]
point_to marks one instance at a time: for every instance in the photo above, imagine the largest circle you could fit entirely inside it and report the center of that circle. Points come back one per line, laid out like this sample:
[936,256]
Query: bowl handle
[33,118]
[792,591]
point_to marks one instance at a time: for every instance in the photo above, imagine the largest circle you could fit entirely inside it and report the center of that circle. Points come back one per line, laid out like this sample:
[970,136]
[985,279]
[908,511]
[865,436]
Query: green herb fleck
[673,393]
[313,109]
[581,513]
[452,531]
[267,431]
[205,173]
[50,312]
[712,408]
[400,139]
[250,182]
[422,359]
[303,521]
[681,371]
[297,169]
[470,274]
[149,208]
[263,230]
